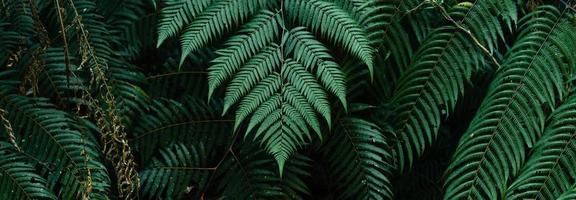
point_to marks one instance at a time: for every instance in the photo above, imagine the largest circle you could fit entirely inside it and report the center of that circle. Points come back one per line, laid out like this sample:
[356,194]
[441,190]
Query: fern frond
[94,44]
[257,68]
[217,18]
[544,175]
[59,83]
[316,58]
[125,81]
[178,169]
[374,15]
[18,179]
[8,41]
[303,81]
[250,174]
[284,110]
[266,61]
[177,13]
[511,117]
[168,121]
[570,194]
[429,88]
[334,24]
[18,15]
[254,36]
[361,160]
[70,159]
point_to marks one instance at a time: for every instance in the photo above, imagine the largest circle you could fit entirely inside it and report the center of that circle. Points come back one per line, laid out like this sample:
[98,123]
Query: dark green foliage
[177,170]
[544,176]
[287,99]
[17,177]
[512,116]
[360,159]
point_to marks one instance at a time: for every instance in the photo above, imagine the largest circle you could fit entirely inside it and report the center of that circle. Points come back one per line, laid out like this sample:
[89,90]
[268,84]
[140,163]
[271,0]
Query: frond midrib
[172,125]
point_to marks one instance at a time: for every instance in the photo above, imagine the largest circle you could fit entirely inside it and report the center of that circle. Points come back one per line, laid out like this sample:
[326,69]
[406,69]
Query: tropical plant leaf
[178,169]
[255,59]
[70,159]
[18,179]
[511,117]
[427,91]
[249,173]
[570,194]
[361,160]
[168,121]
[543,175]
[177,13]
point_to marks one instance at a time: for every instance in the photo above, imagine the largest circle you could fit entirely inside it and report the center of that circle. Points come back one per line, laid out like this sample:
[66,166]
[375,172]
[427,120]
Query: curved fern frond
[374,15]
[18,179]
[286,110]
[59,83]
[361,159]
[255,35]
[8,41]
[250,174]
[256,69]
[544,175]
[271,57]
[125,81]
[512,115]
[315,57]
[70,159]
[333,23]
[429,88]
[178,170]
[570,194]
[177,13]
[168,121]
[93,43]
[217,18]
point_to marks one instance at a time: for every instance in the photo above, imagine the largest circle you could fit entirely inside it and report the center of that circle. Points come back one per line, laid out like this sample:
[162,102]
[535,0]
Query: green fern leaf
[256,69]
[58,141]
[255,35]
[168,121]
[284,119]
[315,57]
[570,194]
[176,14]
[334,24]
[361,160]
[544,175]
[57,82]
[219,17]
[511,116]
[270,58]
[250,174]
[374,15]
[18,179]
[429,88]
[178,170]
